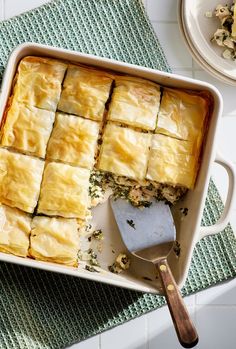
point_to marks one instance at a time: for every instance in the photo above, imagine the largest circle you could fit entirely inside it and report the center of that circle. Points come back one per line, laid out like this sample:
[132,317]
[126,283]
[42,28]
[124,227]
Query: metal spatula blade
[146,227]
[149,233]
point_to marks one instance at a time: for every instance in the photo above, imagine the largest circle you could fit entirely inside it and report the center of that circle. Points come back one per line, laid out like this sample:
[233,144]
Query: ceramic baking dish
[189,230]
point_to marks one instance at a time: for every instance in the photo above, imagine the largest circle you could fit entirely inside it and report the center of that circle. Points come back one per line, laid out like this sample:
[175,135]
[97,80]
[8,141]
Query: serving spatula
[149,233]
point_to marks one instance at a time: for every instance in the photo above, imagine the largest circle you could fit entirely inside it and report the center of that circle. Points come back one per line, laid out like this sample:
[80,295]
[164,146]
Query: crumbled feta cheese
[208,14]
[225,35]
[226,54]
[121,263]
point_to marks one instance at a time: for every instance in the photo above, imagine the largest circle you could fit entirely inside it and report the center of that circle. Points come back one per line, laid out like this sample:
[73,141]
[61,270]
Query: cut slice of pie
[38,82]
[54,240]
[14,231]
[27,129]
[85,92]
[172,161]
[182,114]
[124,152]
[64,191]
[73,140]
[135,102]
[20,179]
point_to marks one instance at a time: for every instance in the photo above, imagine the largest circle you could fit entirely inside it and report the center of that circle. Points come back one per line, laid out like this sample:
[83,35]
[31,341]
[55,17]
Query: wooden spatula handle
[184,327]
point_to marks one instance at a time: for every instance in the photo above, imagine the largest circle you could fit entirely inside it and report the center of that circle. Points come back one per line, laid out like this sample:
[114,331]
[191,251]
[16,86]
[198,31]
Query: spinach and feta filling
[138,193]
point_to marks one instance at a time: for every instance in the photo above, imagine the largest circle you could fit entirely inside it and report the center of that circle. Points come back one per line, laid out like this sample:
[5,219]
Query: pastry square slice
[182,114]
[124,152]
[64,191]
[73,140]
[38,82]
[135,102]
[20,179]
[85,92]
[14,231]
[54,240]
[172,161]
[27,129]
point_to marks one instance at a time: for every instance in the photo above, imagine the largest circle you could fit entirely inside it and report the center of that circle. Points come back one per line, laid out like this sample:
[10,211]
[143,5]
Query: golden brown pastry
[54,240]
[173,161]
[124,152]
[20,179]
[64,191]
[181,114]
[85,92]
[135,102]
[39,81]
[73,140]
[14,231]
[27,129]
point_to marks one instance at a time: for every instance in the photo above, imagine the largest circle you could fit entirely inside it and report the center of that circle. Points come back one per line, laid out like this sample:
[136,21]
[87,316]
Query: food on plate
[91,269]
[89,256]
[98,234]
[64,191]
[138,193]
[85,92]
[101,134]
[182,114]
[73,140]
[173,161]
[27,129]
[122,263]
[14,231]
[38,82]
[135,102]
[54,240]
[225,35]
[20,179]
[124,152]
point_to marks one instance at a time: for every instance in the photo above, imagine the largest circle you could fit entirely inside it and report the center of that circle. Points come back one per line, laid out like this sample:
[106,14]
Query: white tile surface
[14,7]
[226,143]
[173,45]
[216,327]
[131,335]
[228,92]
[214,309]
[162,10]
[1,10]
[91,343]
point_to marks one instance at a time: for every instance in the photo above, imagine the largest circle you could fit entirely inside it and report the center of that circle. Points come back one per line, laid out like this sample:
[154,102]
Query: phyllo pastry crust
[27,129]
[73,140]
[85,92]
[54,240]
[135,102]
[124,152]
[14,231]
[173,161]
[20,179]
[39,82]
[182,114]
[64,191]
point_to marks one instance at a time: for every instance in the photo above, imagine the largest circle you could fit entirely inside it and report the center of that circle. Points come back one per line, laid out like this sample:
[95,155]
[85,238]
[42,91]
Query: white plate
[195,53]
[200,30]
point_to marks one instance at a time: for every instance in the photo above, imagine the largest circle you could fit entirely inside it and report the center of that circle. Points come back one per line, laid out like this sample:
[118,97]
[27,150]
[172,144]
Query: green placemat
[46,310]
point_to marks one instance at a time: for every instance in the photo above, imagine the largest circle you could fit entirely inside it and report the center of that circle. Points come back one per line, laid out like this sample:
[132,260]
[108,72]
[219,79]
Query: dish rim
[125,68]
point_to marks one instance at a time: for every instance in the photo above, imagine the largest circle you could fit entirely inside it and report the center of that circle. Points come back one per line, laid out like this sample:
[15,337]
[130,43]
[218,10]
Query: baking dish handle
[224,219]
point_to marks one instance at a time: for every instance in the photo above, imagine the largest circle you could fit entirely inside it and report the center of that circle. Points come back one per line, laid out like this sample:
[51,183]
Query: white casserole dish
[188,229]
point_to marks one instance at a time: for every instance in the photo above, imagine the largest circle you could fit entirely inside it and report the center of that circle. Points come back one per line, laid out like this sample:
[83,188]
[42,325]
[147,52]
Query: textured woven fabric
[46,310]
